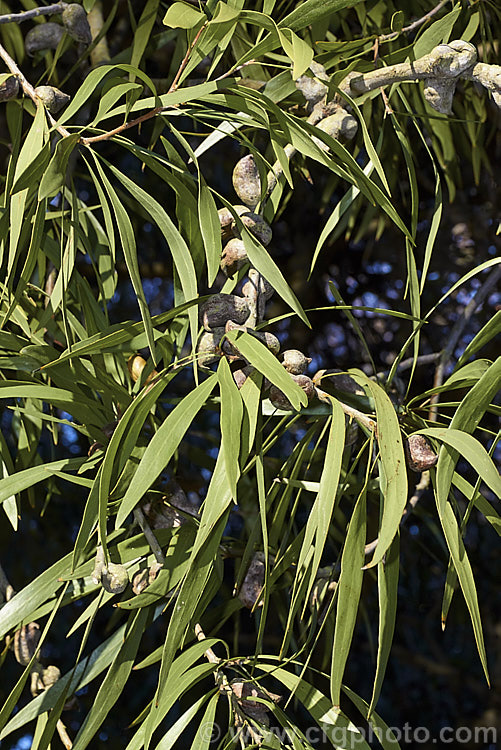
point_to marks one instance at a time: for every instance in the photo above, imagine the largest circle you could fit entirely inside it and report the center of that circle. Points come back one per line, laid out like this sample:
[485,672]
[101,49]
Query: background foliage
[111,243]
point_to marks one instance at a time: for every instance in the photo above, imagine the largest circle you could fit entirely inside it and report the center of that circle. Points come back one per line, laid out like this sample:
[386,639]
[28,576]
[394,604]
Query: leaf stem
[414,25]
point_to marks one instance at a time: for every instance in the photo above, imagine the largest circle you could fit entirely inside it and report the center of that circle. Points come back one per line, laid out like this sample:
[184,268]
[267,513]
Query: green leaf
[393,472]
[487,333]
[231,423]
[397,21]
[54,177]
[34,171]
[341,732]
[130,253]
[380,729]
[312,11]
[204,738]
[211,230]
[183,16]
[264,263]
[22,480]
[387,577]
[297,50]
[22,604]
[180,725]
[178,247]
[468,447]
[438,32]
[115,680]
[143,31]
[163,445]
[91,83]
[82,674]
[348,594]
[317,527]
[263,360]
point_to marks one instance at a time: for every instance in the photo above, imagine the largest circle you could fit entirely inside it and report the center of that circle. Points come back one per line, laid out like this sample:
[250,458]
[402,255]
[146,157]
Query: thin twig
[27,15]
[457,332]
[406,364]
[232,71]
[63,735]
[187,56]
[209,654]
[415,24]
[150,536]
[121,128]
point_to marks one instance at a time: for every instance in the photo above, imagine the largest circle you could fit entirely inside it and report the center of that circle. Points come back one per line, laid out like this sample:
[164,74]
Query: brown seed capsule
[76,24]
[234,256]
[226,220]
[256,225]
[162,511]
[114,578]
[9,89]
[240,376]
[280,400]
[339,380]
[439,94]
[136,365]
[144,577]
[245,691]
[419,454]
[53,98]
[26,641]
[306,383]
[246,181]
[208,350]
[252,585]
[43,36]
[295,361]
[222,307]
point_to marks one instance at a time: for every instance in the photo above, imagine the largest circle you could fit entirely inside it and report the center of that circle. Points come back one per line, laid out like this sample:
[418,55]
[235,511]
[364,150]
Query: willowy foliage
[208,474]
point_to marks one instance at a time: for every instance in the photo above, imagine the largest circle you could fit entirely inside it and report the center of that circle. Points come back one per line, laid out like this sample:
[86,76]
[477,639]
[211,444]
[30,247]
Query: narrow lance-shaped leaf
[231,423]
[388,570]
[130,253]
[264,361]
[163,445]
[349,589]
[178,247]
[115,680]
[393,479]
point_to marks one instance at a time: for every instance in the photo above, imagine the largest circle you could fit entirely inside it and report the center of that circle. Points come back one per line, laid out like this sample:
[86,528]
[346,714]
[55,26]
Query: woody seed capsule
[76,24]
[419,454]
[222,307]
[43,36]
[246,181]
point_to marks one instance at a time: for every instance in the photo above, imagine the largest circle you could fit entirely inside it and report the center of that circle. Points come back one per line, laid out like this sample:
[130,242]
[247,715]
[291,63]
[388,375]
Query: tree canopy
[210,491]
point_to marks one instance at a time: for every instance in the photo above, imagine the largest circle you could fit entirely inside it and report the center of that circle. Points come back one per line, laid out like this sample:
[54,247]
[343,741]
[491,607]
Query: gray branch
[48,10]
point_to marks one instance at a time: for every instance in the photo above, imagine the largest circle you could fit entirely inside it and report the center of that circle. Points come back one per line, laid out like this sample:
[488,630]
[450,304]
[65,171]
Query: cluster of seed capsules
[46,36]
[222,313]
